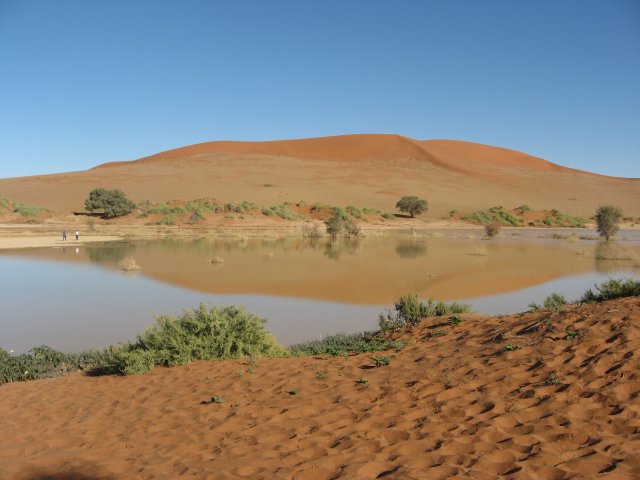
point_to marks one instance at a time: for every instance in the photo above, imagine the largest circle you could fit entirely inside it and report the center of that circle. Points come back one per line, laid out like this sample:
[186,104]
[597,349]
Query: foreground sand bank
[452,404]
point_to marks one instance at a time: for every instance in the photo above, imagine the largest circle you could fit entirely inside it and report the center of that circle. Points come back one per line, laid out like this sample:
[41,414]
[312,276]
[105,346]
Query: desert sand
[371,171]
[454,403]
[17,242]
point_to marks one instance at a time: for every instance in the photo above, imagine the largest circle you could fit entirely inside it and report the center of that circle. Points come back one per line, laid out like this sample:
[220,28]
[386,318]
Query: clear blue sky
[87,82]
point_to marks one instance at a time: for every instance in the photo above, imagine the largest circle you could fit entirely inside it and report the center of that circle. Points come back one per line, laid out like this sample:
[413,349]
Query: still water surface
[72,299]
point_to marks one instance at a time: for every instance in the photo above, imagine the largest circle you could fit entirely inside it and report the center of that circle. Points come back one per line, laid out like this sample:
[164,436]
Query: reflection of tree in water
[411,250]
[334,249]
[611,257]
[109,253]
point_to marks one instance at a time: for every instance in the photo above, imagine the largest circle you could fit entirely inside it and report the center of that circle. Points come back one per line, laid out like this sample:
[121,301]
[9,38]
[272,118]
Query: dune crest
[359,170]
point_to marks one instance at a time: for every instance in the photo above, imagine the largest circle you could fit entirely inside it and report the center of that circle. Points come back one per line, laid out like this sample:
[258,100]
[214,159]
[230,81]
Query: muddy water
[77,298]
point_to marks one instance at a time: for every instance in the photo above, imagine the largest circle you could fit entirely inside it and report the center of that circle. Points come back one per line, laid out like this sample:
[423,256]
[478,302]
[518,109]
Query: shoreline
[20,236]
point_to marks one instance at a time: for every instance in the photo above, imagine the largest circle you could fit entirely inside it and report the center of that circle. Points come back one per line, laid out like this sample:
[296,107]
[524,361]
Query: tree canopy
[112,203]
[412,205]
[607,218]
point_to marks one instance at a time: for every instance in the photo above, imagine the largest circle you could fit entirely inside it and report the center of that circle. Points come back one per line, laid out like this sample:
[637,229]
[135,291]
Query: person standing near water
[77,234]
[64,234]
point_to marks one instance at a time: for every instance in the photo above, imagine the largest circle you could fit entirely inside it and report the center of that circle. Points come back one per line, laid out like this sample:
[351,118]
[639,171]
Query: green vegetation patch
[612,288]
[45,362]
[561,219]
[345,343]
[24,209]
[409,310]
[495,215]
[199,334]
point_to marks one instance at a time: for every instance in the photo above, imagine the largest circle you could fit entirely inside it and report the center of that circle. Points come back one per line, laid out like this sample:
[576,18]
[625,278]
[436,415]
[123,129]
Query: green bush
[26,210]
[494,215]
[354,212]
[370,211]
[268,212]
[612,288]
[45,362]
[284,211]
[203,333]
[388,216]
[409,310]
[555,302]
[5,204]
[112,203]
[523,208]
[343,343]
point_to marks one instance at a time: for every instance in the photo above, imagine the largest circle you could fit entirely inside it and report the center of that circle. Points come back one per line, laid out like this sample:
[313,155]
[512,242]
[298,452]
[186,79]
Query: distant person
[64,234]
[77,234]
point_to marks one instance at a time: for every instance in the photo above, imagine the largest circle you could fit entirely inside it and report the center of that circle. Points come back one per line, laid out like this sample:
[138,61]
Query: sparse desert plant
[202,333]
[510,347]
[610,289]
[455,320]
[311,232]
[345,343]
[320,374]
[388,216]
[351,228]
[607,219]
[293,391]
[112,203]
[362,381]
[334,226]
[381,361]
[573,334]
[45,362]
[410,310]
[492,229]
[214,399]
[555,302]
[216,261]
[523,208]
[412,205]
[552,380]
[353,211]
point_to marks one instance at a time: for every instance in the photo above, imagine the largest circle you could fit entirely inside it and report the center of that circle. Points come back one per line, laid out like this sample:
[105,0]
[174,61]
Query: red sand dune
[362,170]
[452,404]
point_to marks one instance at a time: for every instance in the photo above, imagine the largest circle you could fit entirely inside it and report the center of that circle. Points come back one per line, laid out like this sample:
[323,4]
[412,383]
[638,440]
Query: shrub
[612,288]
[523,208]
[354,212]
[410,310]
[311,232]
[45,362]
[492,229]
[345,343]
[284,211]
[370,211]
[268,212]
[412,205]
[203,333]
[351,228]
[113,203]
[26,210]
[555,302]
[388,216]
[334,225]
[607,219]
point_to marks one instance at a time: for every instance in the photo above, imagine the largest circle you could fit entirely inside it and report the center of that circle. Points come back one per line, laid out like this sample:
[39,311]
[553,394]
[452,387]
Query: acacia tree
[607,218]
[412,205]
[112,203]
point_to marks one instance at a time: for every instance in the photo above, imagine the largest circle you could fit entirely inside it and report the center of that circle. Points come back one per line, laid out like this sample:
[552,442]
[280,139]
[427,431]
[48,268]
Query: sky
[88,82]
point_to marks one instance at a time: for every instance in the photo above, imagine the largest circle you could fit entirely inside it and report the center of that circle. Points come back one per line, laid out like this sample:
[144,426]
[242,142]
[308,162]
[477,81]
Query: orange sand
[453,404]
[362,170]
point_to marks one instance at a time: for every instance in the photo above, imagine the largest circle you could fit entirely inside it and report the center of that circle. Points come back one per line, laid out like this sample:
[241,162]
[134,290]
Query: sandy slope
[454,404]
[363,170]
